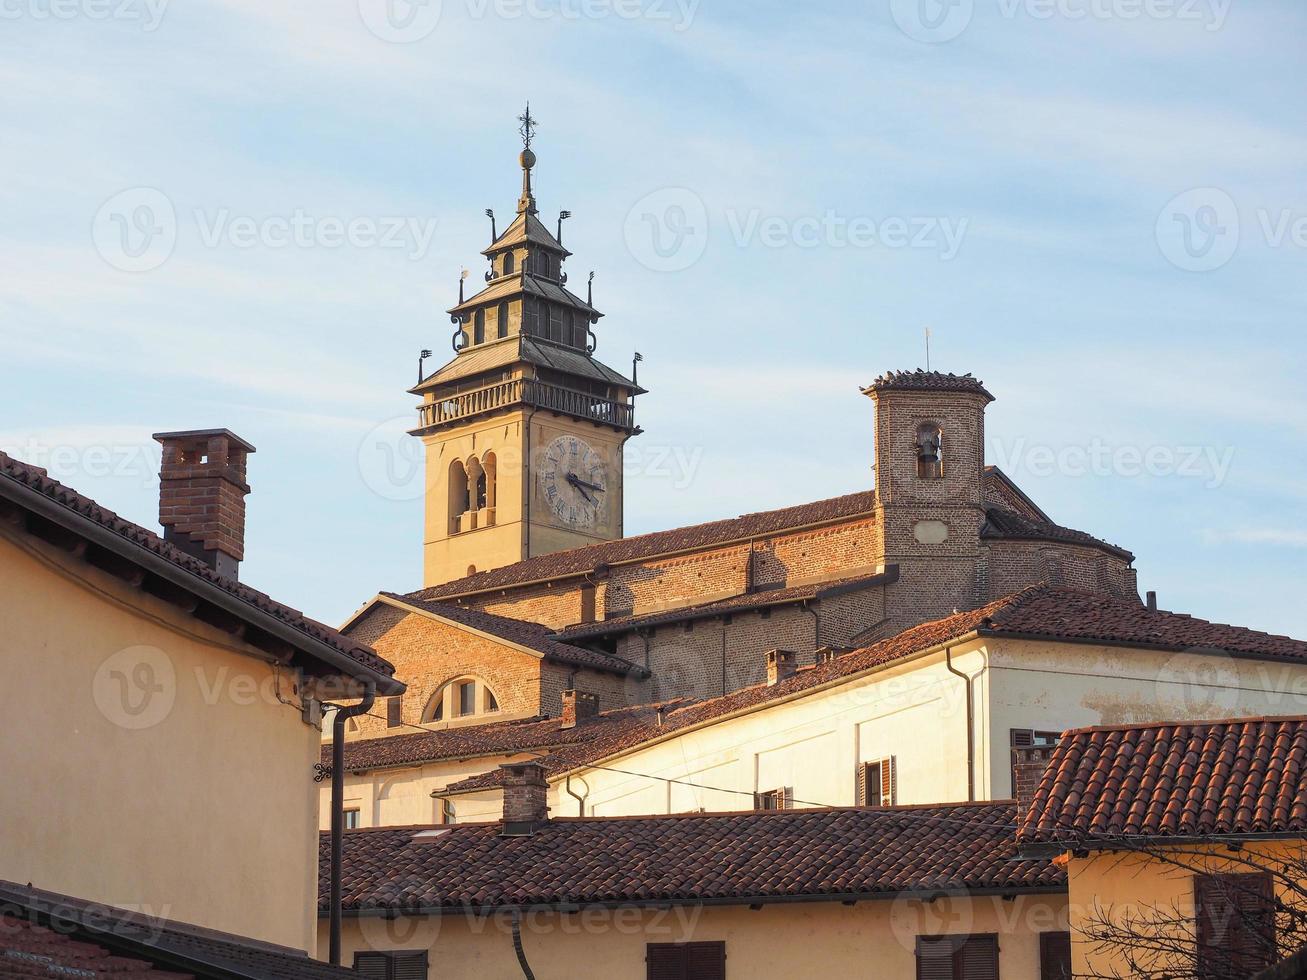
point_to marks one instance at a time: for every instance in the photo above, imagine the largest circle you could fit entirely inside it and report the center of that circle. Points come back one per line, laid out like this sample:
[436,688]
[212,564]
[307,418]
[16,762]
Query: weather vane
[528,127]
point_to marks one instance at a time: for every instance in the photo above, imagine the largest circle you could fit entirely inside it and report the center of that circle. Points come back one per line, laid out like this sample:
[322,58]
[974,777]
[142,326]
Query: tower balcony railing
[526,391]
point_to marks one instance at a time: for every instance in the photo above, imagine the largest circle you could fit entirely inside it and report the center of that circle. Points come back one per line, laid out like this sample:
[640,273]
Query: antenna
[928,348]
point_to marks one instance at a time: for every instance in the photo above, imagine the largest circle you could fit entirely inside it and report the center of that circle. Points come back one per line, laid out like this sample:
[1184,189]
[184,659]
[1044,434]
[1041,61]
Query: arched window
[501,320]
[463,697]
[489,469]
[930,451]
[458,495]
[479,327]
[509,263]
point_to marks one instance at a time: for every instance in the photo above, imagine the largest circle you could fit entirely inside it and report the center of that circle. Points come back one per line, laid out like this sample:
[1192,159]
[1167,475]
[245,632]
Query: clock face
[574,482]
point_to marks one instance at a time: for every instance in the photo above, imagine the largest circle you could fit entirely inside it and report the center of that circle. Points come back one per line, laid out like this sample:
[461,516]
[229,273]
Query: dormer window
[930,451]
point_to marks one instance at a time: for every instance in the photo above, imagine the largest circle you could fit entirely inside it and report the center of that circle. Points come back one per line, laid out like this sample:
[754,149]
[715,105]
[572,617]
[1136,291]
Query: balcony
[525,391]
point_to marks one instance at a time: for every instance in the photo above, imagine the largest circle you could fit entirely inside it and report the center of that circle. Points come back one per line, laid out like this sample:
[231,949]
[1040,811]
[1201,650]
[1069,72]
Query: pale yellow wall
[205,814]
[1055,686]
[1131,888]
[797,940]
[402,797]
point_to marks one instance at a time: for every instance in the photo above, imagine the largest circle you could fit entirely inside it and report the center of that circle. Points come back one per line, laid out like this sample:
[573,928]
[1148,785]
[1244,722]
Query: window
[447,812]
[775,799]
[491,703]
[351,819]
[587,603]
[501,320]
[1055,956]
[957,957]
[1236,924]
[877,783]
[685,961]
[467,698]
[479,326]
[509,263]
[394,711]
[395,965]
[1026,738]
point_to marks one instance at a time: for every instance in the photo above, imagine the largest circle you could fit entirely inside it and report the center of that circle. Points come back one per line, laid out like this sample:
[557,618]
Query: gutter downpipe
[338,806]
[971,724]
[580,800]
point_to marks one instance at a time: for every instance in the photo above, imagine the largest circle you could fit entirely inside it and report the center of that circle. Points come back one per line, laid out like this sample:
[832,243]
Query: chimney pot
[1028,765]
[526,798]
[1152,602]
[578,706]
[780,665]
[202,492]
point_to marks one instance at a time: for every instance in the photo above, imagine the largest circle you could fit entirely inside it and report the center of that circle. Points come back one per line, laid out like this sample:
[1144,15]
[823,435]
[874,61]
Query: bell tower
[524,428]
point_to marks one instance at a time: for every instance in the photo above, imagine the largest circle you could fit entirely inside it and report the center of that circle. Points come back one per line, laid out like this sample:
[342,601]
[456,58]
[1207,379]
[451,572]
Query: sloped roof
[1039,612]
[516,283]
[31,488]
[576,561]
[732,857]
[56,935]
[521,349]
[920,380]
[1003,524]
[1105,784]
[735,604]
[525,634]
[526,227]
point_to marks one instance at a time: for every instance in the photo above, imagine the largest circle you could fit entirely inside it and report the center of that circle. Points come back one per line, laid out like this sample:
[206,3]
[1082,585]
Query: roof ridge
[1198,724]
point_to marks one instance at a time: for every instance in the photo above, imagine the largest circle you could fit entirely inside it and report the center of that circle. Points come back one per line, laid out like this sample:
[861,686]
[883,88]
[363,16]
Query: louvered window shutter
[705,961]
[786,801]
[1055,956]
[888,782]
[1236,924]
[978,959]
[665,961]
[409,966]
[935,958]
[373,966]
[860,784]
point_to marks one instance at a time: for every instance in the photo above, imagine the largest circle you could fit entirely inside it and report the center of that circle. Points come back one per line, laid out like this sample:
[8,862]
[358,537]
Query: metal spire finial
[527,202]
[528,127]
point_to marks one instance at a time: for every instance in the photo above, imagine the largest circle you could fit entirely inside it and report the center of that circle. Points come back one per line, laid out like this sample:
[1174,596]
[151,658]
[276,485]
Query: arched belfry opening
[930,451]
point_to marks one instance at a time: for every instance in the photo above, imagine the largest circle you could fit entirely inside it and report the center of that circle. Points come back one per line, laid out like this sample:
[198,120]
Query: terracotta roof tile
[43,934]
[690,858]
[1008,524]
[1245,776]
[1041,611]
[576,561]
[530,635]
[920,380]
[15,475]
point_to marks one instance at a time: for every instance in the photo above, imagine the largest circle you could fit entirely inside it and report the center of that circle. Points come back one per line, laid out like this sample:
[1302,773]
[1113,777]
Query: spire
[527,202]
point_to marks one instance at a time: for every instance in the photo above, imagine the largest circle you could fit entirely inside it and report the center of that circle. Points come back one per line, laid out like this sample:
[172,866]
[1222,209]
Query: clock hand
[572,479]
[577,481]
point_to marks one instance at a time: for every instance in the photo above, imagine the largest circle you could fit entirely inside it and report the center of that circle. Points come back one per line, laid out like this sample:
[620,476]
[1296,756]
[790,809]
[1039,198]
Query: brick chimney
[202,492]
[526,798]
[578,706]
[780,665]
[1028,765]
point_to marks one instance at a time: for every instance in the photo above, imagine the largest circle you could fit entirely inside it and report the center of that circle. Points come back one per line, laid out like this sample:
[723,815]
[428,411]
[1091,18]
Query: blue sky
[1097,206]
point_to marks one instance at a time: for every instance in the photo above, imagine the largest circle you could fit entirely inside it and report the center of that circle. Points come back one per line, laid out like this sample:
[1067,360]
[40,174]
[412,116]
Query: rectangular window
[351,819]
[392,965]
[1236,924]
[467,698]
[394,711]
[1055,956]
[556,323]
[877,783]
[957,957]
[775,799]
[685,961]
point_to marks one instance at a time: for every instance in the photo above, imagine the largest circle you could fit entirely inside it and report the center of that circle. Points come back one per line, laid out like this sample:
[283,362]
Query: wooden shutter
[860,784]
[1055,956]
[373,966]
[935,957]
[665,961]
[785,798]
[888,782]
[392,965]
[978,958]
[1236,924]
[409,966]
[705,961]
